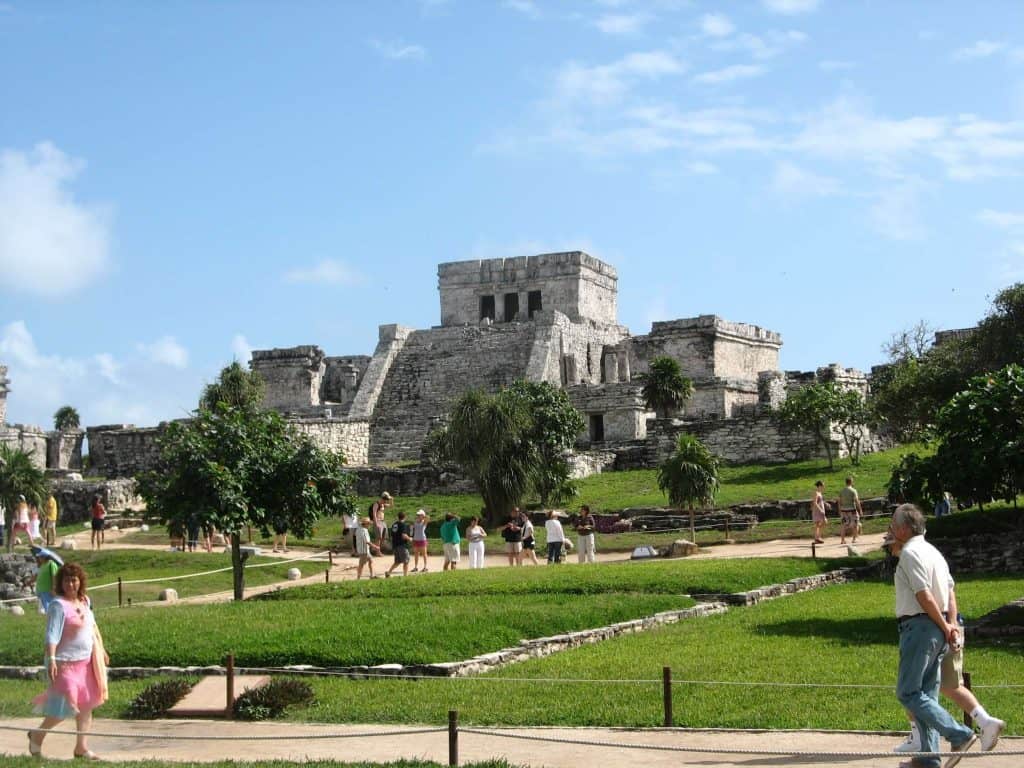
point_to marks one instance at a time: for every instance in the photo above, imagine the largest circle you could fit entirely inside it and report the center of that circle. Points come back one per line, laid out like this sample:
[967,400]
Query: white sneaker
[913,742]
[990,734]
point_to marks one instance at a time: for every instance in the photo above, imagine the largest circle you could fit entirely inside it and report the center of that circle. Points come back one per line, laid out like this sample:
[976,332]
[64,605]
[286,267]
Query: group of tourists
[38,525]
[850,512]
[409,543]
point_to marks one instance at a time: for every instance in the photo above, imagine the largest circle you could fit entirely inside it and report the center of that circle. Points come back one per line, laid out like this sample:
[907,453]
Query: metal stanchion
[327,575]
[666,684]
[229,711]
[453,737]
[968,720]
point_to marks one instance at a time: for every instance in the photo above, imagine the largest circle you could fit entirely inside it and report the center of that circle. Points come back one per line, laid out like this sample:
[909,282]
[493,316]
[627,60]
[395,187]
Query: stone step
[208,698]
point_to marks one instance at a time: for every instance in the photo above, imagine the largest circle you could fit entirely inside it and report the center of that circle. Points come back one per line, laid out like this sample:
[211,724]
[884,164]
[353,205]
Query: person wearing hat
[377,515]
[419,540]
[45,578]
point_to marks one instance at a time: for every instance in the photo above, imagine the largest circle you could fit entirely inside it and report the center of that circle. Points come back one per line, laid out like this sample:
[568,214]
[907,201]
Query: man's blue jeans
[922,647]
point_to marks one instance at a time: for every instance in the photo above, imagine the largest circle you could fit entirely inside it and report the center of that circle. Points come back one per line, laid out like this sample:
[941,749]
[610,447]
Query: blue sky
[183,182]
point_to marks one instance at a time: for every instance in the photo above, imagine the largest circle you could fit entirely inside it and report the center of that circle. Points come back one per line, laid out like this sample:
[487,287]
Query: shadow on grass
[783,473]
[871,631]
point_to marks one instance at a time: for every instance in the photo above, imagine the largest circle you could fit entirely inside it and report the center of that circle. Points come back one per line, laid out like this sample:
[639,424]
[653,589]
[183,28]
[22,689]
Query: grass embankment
[838,635]
[614,491]
[434,618]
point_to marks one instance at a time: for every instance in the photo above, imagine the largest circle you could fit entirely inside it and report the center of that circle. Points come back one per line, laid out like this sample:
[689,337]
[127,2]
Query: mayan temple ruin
[550,317]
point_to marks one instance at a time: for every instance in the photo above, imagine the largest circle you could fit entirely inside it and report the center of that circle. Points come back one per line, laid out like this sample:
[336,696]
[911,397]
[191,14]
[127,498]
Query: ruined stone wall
[573,283]
[74,497]
[620,405]
[573,353]
[341,380]
[293,376]
[123,450]
[349,436]
[31,440]
[410,481]
[431,370]
[757,439]
[64,449]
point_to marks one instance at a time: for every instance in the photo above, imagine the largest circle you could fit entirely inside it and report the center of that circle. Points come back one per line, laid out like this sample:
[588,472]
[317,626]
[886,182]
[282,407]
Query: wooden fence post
[453,737]
[666,685]
[229,711]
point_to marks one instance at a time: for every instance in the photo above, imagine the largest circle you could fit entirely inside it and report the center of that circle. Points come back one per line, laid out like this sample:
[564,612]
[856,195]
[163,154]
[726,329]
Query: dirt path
[299,742]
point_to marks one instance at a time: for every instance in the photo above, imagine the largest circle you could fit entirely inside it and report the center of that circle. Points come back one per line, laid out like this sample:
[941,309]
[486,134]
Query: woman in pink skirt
[75,661]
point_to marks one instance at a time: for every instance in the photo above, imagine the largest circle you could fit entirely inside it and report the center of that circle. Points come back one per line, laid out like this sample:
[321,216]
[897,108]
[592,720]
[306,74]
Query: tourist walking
[75,662]
[377,514]
[922,597]
[850,511]
[419,540]
[50,524]
[46,578]
[451,540]
[19,521]
[34,534]
[351,525]
[400,540]
[555,536]
[586,546]
[99,515]
[512,533]
[365,548]
[819,513]
[280,534]
[529,542]
[476,535]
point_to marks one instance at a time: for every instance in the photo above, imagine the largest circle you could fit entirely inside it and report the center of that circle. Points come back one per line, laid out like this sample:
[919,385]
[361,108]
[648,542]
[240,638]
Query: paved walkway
[300,742]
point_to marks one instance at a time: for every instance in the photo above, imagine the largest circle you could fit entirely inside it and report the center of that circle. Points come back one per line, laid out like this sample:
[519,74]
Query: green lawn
[839,635]
[350,623]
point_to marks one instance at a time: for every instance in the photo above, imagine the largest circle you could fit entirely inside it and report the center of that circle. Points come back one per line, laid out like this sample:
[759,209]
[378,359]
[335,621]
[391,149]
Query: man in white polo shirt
[922,586]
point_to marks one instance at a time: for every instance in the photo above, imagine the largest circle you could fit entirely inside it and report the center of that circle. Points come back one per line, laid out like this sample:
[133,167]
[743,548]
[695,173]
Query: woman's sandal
[87,755]
[35,748]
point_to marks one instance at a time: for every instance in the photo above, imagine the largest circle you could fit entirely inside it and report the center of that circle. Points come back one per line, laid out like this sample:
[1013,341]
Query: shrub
[272,699]
[157,699]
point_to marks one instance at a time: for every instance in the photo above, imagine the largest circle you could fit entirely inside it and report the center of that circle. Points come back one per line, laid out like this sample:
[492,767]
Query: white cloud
[833,65]
[241,348]
[397,50]
[620,24]
[769,46]
[50,244]
[1002,219]
[791,7]
[716,25]
[326,271]
[36,377]
[846,129]
[607,83]
[980,49]
[896,213]
[166,351]
[108,367]
[702,168]
[1011,267]
[791,181]
[525,7]
[729,74]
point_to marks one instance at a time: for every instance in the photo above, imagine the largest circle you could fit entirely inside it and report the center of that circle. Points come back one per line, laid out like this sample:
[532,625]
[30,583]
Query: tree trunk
[827,442]
[237,566]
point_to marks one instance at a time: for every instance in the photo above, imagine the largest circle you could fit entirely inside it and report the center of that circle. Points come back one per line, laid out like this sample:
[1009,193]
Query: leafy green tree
[915,479]
[235,386]
[235,466]
[980,455]
[851,417]
[556,425]
[665,389]
[690,476]
[813,408]
[66,418]
[19,477]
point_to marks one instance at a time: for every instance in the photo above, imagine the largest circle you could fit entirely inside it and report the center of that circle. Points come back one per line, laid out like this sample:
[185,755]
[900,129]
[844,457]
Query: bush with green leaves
[271,700]
[156,700]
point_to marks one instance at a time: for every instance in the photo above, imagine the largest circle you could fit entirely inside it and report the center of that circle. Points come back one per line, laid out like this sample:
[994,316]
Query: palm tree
[66,418]
[689,476]
[19,477]
[665,388]
[487,436]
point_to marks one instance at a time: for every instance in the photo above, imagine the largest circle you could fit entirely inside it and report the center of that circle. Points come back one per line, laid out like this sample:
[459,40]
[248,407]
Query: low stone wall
[992,553]
[17,575]
[791,587]
[993,625]
[410,481]
[74,497]
[801,509]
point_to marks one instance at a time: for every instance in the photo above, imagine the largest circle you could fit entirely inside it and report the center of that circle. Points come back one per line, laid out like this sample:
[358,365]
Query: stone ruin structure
[60,451]
[550,317]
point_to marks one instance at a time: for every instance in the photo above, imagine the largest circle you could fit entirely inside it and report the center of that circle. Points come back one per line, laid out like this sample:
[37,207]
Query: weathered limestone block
[294,574]
[681,548]
[168,595]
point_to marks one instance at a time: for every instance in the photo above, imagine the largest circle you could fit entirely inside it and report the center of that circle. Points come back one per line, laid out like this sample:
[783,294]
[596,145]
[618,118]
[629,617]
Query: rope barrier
[217,737]
[729,750]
